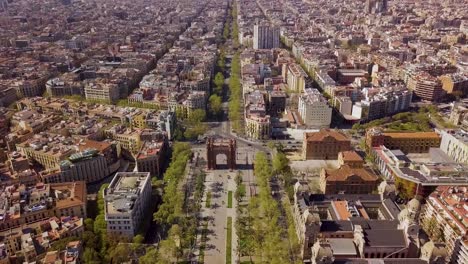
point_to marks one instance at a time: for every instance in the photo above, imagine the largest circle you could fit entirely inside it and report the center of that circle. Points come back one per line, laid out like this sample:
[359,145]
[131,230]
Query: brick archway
[227,147]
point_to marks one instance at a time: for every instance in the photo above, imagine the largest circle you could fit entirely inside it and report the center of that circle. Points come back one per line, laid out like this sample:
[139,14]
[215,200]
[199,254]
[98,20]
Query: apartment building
[446,210]
[41,202]
[385,102]
[258,127]
[129,139]
[67,84]
[296,78]
[314,109]
[102,91]
[325,144]
[459,113]
[47,149]
[29,88]
[266,36]
[151,157]
[257,121]
[426,86]
[127,202]
[455,83]
[455,144]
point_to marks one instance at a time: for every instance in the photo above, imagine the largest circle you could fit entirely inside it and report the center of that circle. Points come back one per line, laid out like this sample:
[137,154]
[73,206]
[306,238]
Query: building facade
[455,144]
[325,144]
[127,202]
[258,127]
[107,92]
[151,157]
[266,36]
[445,217]
[314,109]
[348,180]
[408,142]
[296,78]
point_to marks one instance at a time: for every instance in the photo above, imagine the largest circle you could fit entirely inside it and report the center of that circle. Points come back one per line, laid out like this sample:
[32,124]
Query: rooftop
[346,173]
[124,190]
[325,134]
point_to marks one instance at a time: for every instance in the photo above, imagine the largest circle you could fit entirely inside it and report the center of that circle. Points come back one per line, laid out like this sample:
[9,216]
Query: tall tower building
[266,36]
[376,6]
[3,5]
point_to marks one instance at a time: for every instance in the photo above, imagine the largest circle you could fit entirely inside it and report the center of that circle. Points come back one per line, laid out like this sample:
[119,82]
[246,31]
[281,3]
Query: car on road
[249,145]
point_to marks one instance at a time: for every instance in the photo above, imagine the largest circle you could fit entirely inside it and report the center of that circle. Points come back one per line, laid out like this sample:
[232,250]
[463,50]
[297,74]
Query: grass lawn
[229,241]
[208,200]
[229,199]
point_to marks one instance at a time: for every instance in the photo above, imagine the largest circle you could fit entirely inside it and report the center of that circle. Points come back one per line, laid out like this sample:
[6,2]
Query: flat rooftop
[124,190]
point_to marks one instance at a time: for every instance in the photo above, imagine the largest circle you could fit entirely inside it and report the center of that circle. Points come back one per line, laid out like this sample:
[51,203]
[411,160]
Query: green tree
[89,224]
[151,256]
[121,253]
[91,256]
[197,116]
[90,239]
[280,162]
[138,239]
[219,80]
[215,104]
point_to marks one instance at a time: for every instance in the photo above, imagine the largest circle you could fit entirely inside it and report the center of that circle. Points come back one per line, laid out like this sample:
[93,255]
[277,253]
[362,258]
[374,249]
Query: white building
[446,210]
[127,202]
[381,102]
[314,109]
[266,37]
[102,91]
[455,144]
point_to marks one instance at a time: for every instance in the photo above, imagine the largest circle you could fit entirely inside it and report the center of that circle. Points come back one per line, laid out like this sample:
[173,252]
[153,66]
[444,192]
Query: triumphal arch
[220,146]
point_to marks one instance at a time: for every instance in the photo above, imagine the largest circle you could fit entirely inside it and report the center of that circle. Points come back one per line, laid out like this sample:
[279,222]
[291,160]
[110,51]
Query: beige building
[296,78]
[44,201]
[102,91]
[314,109]
[455,83]
[129,139]
[258,127]
[459,113]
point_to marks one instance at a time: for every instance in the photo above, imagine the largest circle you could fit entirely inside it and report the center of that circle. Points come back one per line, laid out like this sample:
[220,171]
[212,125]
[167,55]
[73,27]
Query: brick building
[325,144]
[350,158]
[408,142]
[348,180]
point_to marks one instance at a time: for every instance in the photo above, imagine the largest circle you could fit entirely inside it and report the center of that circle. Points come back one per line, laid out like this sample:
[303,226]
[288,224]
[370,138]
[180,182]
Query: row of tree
[260,233]
[235,96]
[235,87]
[189,128]
[215,100]
[101,247]
[176,216]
